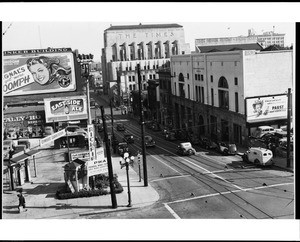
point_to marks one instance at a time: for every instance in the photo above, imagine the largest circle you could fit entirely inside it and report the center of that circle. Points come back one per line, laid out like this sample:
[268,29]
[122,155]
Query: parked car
[24,142]
[155,127]
[194,140]
[8,149]
[170,135]
[120,127]
[180,134]
[259,156]
[48,130]
[128,138]
[261,130]
[12,133]
[122,148]
[226,148]
[185,148]
[149,142]
[76,130]
[207,143]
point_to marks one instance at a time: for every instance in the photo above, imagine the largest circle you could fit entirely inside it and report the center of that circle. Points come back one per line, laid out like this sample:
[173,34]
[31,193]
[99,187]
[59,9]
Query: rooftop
[143,26]
[221,48]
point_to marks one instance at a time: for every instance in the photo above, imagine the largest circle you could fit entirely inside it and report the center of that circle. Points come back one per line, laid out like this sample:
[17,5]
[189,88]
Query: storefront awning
[19,158]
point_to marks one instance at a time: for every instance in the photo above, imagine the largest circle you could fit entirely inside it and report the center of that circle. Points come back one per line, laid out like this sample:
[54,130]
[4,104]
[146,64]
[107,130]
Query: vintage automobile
[185,148]
[128,138]
[207,143]
[122,148]
[226,148]
[170,135]
[120,127]
[259,156]
[149,142]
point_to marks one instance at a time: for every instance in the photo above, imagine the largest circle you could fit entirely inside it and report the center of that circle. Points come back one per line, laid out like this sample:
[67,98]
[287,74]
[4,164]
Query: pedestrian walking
[22,203]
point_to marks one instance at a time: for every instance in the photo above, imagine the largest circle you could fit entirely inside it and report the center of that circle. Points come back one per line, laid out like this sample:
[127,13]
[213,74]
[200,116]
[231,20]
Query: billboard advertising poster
[65,108]
[99,165]
[266,108]
[38,71]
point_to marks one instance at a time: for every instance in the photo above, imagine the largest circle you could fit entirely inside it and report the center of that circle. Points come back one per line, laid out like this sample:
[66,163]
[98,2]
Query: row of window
[132,78]
[145,67]
[200,77]
[133,87]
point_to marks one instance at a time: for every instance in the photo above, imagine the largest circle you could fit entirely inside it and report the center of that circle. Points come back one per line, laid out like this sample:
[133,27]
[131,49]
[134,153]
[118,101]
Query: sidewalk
[42,204]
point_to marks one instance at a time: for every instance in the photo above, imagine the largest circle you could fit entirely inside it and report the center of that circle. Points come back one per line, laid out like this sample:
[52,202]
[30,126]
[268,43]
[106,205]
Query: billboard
[65,108]
[38,71]
[269,108]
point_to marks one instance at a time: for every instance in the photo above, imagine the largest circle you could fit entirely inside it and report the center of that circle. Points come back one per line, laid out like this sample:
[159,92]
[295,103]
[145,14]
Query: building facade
[148,45]
[209,90]
[266,39]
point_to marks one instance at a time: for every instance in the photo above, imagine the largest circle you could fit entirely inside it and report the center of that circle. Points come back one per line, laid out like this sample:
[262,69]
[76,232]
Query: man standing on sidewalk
[22,203]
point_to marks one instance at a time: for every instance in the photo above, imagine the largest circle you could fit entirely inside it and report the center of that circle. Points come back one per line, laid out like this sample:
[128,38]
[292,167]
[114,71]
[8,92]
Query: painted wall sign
[266,108]
[65,108]
[38,71]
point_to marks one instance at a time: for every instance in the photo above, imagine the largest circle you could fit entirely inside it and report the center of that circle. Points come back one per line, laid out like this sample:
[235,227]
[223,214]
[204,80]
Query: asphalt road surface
[206,185]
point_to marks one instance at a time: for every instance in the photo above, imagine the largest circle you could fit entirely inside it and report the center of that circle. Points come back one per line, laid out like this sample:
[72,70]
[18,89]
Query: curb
[112,210]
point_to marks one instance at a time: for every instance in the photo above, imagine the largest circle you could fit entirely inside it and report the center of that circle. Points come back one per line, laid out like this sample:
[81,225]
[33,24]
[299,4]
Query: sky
[82,28]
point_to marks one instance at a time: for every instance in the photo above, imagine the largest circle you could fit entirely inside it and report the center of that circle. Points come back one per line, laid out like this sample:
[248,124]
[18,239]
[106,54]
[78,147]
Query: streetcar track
[213,181]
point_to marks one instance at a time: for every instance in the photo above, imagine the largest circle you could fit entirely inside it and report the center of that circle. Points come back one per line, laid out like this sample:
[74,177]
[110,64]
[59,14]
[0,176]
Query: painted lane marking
[167,165]
[172,211]
[219,171]
[167,178]
[234,191]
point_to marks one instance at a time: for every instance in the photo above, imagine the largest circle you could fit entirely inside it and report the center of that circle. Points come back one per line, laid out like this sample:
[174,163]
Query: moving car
[128,138]
[226,148]
[120,127]
[185,148]
[149,142]
[122,148]
[259,156]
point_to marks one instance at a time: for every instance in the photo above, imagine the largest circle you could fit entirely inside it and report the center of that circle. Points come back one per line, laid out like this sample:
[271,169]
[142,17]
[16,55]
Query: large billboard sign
[98,165]
[269,108]
[38,71]
[65,108]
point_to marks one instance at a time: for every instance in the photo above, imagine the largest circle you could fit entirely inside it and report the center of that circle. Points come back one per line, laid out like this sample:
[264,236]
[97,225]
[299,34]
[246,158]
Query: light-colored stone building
[148,45]
[265,39]
[209,89]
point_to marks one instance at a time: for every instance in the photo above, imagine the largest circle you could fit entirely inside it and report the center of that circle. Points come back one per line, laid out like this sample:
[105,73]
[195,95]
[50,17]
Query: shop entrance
[224,130]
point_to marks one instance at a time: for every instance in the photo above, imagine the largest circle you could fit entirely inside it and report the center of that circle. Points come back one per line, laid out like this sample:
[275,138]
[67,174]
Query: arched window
[223,94]
[181,77]
[223,82]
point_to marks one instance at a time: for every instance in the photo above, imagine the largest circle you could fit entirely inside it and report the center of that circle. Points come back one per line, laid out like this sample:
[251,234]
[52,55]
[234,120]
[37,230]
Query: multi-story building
[266,39]
[210,91]
[148,45]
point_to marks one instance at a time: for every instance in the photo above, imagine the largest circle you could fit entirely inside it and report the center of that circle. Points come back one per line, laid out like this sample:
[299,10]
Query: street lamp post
[128,161]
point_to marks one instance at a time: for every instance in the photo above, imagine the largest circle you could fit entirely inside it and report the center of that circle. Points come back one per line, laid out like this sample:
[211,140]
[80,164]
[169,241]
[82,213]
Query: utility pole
[288,158]
[109,162]
[112,127]
[142,126]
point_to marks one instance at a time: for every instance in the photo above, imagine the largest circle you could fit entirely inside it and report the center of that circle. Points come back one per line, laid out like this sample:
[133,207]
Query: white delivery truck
[259,156]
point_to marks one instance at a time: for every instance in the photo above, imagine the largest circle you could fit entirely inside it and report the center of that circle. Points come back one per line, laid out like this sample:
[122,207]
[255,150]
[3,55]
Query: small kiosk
[75,174]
